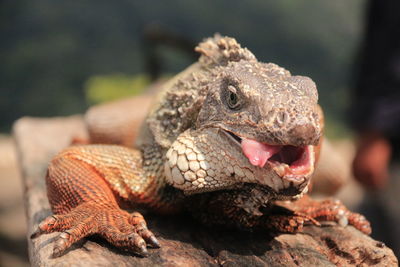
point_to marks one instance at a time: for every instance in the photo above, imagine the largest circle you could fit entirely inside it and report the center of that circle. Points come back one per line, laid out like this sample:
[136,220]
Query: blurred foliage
[103,88]
[50,49]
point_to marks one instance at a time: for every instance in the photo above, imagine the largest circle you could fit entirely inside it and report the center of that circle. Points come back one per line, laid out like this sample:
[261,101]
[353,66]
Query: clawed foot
[334,210]
[330,210]
[121,229]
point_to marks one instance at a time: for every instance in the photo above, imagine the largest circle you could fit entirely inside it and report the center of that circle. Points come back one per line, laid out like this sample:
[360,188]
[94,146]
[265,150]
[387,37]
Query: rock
[184,241]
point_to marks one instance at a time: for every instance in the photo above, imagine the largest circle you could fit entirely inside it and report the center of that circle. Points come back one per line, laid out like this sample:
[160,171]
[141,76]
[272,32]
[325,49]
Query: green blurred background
[59,57]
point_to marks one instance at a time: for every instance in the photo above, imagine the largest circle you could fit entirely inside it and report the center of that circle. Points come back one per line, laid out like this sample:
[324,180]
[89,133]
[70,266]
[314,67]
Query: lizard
[230,139]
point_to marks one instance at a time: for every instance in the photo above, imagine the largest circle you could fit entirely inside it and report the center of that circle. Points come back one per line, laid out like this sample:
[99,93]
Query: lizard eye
[232,98]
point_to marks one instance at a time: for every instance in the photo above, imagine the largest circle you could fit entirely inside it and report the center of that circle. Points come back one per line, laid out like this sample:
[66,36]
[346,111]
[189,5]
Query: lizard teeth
[301,167]
[281,169]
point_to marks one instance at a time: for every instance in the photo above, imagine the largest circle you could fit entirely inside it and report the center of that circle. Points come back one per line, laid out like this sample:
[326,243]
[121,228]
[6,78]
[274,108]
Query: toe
[139,244]
[150,238]
[70,236]
[53,223]
[46,226]
[61,244]
[126,241]
[140,225]
[360,223]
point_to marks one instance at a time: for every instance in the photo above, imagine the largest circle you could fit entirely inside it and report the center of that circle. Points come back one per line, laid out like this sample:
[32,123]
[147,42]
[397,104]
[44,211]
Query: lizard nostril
[303,134]
[281,118]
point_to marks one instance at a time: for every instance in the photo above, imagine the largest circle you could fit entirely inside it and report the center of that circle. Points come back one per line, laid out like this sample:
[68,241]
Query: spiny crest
[220,50]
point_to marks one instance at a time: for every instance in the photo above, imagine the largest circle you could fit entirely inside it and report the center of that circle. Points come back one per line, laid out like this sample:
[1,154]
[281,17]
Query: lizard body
[227,139]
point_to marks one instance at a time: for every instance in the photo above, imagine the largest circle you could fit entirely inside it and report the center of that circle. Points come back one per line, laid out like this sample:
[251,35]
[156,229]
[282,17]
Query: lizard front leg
[85,184]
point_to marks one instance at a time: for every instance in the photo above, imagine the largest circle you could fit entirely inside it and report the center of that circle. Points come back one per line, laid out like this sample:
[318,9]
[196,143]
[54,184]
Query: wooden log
[184,241]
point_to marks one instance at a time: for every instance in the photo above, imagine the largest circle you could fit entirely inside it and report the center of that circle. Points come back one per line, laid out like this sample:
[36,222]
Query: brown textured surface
[184,241]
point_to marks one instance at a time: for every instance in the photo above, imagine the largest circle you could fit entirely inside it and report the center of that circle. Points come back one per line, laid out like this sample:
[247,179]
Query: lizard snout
[304,134]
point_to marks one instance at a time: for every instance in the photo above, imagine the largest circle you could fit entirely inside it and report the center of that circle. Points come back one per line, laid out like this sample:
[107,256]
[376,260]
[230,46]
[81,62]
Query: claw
[149,237]
[143,251]
[60,245]
[49,221]
[57,252]
[37,233]
[154,242]
[138,244]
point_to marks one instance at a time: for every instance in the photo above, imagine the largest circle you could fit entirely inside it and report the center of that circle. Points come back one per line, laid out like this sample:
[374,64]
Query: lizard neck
[167,199]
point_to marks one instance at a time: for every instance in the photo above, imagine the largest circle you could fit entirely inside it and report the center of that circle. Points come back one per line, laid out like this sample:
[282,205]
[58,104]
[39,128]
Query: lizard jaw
[288,162]
[302,166]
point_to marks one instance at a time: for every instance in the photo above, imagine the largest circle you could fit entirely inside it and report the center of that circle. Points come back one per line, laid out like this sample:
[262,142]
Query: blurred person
[375,114]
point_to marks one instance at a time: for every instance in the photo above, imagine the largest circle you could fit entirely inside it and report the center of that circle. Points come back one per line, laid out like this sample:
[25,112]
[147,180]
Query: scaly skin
[192,155]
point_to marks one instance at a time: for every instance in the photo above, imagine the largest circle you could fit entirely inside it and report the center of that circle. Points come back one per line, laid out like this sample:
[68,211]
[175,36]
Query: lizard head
[266,123]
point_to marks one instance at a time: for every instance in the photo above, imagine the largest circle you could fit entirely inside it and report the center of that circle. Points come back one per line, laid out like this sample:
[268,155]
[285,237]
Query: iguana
[230,139]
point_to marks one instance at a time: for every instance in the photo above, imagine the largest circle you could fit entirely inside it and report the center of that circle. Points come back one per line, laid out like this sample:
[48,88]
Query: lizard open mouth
[286,160]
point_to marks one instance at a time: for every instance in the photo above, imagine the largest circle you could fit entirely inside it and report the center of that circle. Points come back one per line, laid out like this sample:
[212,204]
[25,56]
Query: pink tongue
[258,153]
